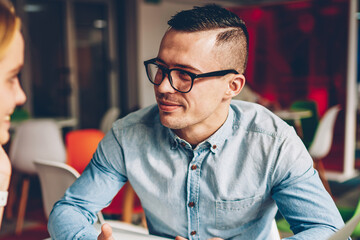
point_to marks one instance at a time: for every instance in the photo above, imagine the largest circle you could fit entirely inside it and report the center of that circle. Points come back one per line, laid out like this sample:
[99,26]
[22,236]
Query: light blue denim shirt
[229,186]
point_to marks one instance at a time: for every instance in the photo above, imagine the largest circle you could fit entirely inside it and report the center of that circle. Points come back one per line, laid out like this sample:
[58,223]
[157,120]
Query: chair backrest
[308,125]
[55,178]
[321,144]
[35,139]
[109,117]
[356,231]
[81,145]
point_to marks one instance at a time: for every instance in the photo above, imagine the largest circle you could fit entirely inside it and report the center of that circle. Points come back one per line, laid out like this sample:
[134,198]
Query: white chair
[55,178]
[323,138]
[32,139]
[109,117]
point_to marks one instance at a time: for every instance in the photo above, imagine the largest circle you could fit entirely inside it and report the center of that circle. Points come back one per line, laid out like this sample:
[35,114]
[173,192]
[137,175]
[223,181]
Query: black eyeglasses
[181,80]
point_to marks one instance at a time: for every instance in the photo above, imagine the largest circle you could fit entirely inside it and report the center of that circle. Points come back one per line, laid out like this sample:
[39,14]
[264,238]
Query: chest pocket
[232,214]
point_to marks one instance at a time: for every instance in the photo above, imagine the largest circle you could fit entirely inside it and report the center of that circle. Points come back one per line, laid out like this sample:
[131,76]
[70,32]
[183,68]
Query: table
[296,116]
[120,234]
[127,231]
[293,114]
[123,234]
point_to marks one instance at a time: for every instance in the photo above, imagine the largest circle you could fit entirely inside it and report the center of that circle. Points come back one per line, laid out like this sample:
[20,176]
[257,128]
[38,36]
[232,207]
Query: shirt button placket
[193,196]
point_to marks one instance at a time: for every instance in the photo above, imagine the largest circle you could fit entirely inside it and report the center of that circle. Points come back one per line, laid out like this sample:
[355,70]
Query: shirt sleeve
[300,194]
[72,217]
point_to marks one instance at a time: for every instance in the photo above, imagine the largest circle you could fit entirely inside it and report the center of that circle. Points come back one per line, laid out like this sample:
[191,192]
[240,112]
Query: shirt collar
[216,141]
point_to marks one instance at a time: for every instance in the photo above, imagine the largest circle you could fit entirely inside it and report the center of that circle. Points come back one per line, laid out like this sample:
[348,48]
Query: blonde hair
[9,23]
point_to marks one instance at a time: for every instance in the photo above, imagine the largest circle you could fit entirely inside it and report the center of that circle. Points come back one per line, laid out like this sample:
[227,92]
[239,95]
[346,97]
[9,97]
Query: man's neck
[198,133]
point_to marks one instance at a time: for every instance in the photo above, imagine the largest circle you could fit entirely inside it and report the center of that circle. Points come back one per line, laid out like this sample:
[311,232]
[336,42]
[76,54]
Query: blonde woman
[11,94]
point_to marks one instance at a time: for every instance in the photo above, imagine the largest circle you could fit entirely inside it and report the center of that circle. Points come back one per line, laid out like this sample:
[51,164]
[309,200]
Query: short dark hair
[211,17]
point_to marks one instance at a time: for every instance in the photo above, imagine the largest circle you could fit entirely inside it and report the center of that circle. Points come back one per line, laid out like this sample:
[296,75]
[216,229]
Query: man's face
[11,93]
[205,106]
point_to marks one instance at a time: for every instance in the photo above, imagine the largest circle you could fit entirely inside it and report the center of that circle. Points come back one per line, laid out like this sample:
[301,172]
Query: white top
[3,198]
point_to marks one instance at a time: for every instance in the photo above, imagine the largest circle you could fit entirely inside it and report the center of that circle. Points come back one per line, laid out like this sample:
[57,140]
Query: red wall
[298,51]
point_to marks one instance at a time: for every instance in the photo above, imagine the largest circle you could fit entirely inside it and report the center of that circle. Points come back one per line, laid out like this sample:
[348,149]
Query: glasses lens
[181,80]
[154,73]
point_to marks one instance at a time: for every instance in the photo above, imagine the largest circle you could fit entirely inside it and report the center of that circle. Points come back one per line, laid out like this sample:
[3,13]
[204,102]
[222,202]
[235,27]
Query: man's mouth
[167,106]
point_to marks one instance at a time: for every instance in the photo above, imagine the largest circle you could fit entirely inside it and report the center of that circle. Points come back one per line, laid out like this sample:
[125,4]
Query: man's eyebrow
[159,60]
[188,67]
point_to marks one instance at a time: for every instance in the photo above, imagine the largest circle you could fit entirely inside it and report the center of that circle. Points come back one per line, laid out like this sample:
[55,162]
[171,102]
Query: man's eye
[184,76]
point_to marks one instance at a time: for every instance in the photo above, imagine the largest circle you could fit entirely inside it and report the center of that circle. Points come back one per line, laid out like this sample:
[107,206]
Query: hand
[106,232]
[5,170]
[181,238]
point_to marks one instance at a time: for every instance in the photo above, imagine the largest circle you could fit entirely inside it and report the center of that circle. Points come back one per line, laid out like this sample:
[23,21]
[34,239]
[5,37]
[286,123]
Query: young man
[202,166]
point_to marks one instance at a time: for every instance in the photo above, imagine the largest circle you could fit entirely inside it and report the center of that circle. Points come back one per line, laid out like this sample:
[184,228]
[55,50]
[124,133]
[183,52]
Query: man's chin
[170,121]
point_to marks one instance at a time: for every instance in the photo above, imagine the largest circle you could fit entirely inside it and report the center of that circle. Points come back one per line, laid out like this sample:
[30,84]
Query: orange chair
[81,145]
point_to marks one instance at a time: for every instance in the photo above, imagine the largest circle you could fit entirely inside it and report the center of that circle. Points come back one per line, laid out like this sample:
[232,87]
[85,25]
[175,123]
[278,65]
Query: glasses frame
[193,76]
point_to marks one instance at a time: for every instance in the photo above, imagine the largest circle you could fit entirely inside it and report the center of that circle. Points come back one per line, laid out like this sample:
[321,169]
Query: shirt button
[183,144]
[191,204]
[193,233]
[214,146]
[193,167]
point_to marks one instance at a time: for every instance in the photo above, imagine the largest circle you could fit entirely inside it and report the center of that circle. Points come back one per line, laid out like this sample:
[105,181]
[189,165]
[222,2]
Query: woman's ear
[235,85]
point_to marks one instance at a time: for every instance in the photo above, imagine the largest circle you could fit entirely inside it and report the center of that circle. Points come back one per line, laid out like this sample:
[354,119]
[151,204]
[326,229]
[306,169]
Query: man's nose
[165,85]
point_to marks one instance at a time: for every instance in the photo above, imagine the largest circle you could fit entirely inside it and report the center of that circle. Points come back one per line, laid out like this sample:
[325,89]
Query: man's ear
[235,85]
